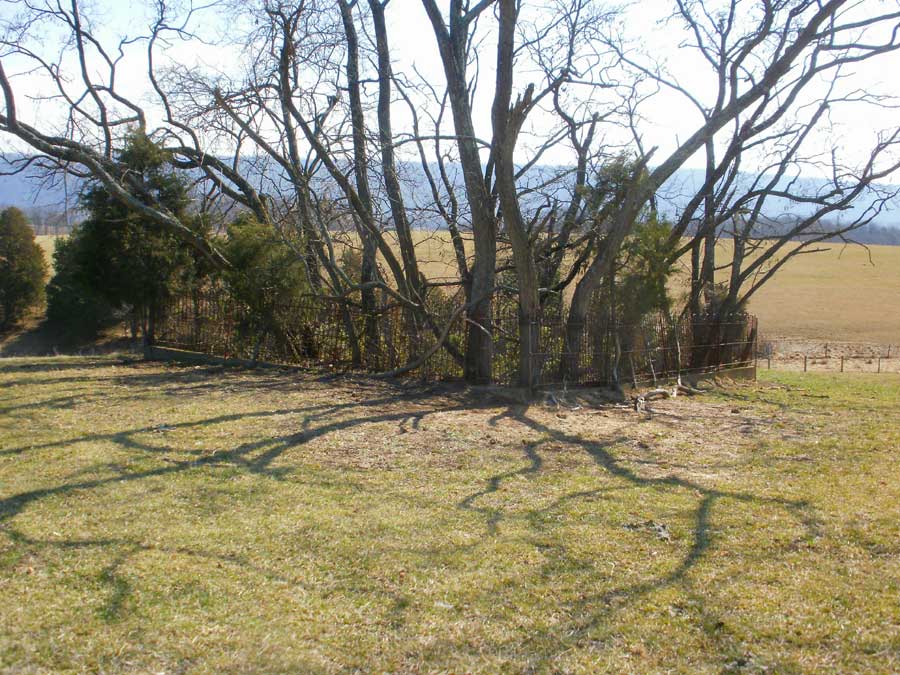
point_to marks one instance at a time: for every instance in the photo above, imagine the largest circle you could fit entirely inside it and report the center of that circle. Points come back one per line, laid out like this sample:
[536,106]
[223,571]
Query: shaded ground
[35,337]
[187,520]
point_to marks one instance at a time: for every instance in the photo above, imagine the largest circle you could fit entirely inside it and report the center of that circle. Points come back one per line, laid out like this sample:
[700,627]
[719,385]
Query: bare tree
[453,39]
[764,62]
[291,133]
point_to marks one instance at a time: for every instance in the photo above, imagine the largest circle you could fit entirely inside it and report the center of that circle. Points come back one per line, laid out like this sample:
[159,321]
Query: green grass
[198,520]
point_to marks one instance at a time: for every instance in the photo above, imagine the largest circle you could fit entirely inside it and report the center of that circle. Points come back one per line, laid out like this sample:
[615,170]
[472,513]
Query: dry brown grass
[847,293]
[46,242]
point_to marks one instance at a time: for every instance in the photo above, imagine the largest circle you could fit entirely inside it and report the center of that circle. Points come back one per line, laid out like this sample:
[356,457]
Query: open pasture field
[170,519]
[847,293]
[47,242]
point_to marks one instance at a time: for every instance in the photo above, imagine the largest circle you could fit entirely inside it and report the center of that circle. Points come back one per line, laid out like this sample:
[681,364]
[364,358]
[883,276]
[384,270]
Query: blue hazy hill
[30,191]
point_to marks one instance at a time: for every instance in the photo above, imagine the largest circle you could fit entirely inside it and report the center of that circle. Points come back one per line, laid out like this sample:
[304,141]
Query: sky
[669,118]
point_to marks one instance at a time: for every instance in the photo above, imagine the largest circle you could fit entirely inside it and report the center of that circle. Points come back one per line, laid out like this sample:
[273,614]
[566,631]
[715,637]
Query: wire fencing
[808,355]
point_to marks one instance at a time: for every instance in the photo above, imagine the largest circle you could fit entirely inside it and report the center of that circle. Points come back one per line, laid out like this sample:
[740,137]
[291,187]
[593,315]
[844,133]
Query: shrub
[74,307]
[644,272]
[267,278]
[116,262]
[23,268]
[135,265]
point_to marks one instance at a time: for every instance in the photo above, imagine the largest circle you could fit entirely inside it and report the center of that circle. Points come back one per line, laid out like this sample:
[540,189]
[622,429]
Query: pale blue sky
[668,117]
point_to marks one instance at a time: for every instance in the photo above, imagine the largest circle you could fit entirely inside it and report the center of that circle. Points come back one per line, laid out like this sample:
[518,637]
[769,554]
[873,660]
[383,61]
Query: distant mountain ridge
[32,193]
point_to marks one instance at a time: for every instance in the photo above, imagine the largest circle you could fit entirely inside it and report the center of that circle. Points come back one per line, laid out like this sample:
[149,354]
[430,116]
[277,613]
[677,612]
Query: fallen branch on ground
[640,402]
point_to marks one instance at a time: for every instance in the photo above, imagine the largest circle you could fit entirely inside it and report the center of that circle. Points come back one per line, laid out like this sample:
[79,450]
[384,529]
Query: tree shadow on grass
[175,379]
[241,456]
[593,609]
[114,608]
[174,376]
[708,498]
[254,457]
[494,516]
[367,394]
[320,420]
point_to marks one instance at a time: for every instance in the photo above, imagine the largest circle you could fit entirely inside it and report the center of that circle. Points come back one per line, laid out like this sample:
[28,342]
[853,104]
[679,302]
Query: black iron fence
[337,336]
[655,349]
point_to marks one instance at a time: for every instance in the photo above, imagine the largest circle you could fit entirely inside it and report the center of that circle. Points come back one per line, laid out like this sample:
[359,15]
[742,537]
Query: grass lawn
[165,519]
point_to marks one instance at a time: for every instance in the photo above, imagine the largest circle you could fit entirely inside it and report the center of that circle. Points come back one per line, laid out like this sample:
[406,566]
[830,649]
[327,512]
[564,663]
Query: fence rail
[831,364]
[782,347]
[322,333]
[827,356]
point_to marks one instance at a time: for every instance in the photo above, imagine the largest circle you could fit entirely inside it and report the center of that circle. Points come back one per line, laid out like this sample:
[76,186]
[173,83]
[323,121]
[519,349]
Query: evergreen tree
[74,308]
[133,265]
[23,268]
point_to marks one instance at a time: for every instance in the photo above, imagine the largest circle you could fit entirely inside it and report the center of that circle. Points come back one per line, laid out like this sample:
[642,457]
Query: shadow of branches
[370,404]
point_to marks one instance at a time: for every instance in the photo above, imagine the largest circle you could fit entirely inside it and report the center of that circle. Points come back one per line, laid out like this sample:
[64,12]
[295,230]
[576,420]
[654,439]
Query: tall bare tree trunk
[696,281]
[506,123]
[452,42]
[369,271]
[708,271]
[414,281]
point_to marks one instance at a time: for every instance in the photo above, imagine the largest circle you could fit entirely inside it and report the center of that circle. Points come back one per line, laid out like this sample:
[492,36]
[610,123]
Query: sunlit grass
[170,519]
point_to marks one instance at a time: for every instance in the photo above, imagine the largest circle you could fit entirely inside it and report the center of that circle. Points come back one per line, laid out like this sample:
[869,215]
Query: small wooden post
[842,363]
[769,359]
[804,363]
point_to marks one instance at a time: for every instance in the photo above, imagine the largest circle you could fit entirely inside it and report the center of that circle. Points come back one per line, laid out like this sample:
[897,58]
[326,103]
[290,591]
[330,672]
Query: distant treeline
[876,234]
[51,221]
[48,221]
[871,234]
[42,198]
